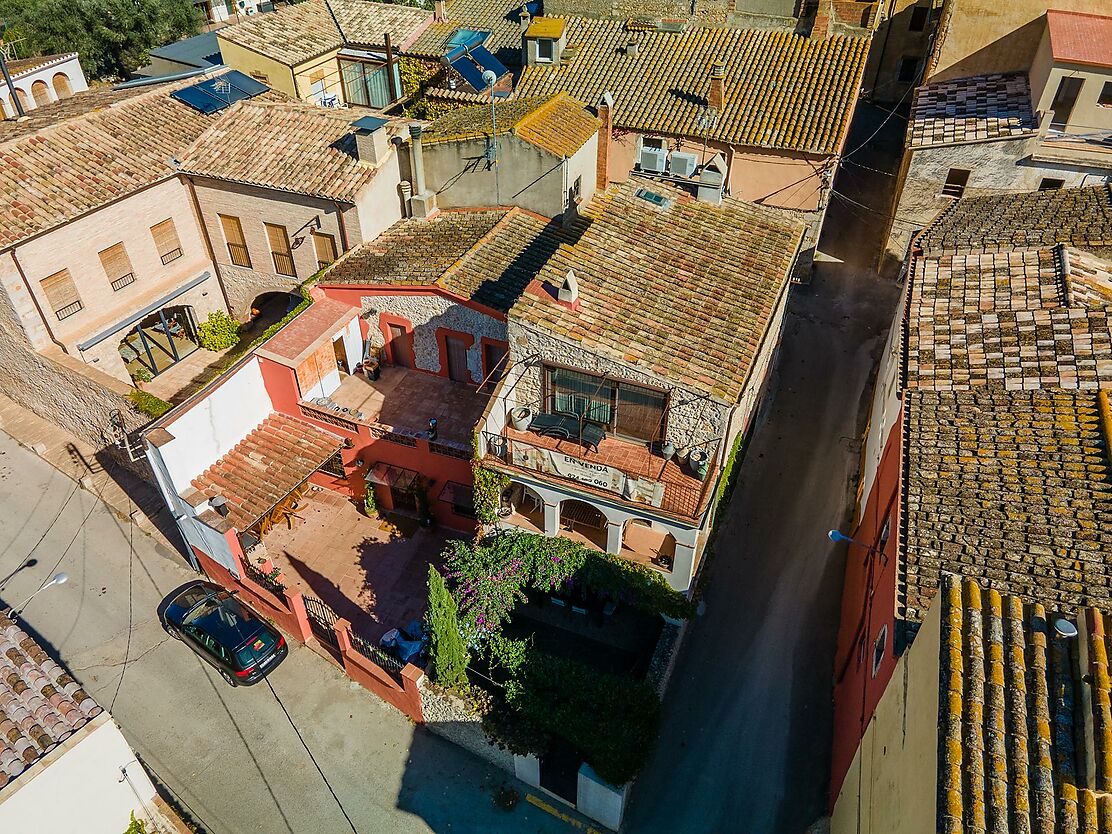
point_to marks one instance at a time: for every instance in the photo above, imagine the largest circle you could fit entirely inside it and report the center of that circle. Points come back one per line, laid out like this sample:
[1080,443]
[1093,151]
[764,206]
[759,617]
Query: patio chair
[568,427]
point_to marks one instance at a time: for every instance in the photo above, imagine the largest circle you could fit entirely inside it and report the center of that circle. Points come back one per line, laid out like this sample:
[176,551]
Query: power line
[130,605]
[328,784]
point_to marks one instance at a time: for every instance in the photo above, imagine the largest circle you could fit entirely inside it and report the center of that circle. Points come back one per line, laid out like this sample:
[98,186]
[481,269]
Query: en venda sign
[597,475]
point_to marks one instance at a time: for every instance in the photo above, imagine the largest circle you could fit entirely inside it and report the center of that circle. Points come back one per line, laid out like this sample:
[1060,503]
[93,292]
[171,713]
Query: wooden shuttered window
[280,250]
[117,266]
[62,294]
[237,244]
[325,247]
[166,241]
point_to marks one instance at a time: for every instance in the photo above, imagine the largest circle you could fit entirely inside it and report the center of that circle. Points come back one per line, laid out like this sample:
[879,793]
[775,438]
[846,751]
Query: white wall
[68,66]
[78,788]
[209,430]
[380,204]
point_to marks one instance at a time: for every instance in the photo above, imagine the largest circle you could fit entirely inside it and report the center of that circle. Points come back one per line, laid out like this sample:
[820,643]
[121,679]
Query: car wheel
[227,678]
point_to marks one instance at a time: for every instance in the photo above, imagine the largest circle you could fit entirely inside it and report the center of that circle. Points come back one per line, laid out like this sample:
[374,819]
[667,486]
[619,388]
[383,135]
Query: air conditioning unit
[682,164]
[654,160]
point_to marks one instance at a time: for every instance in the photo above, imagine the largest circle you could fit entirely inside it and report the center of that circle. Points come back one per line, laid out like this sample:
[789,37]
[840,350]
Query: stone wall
[995,168]
[428,313]
[450,717]
[692,419]
[243,286]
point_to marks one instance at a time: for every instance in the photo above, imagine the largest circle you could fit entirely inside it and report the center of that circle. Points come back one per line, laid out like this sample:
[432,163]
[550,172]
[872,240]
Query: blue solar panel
[468,37]
[246,83]
[199,100]
[488,61]
[455,52]
[470,73]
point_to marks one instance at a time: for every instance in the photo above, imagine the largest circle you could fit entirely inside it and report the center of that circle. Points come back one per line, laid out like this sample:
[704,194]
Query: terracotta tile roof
[685,291]
[976,109]
[499,17]
[307,30]
[1010,488]
[320,320]
[489,255]
[557,124]
[22,66]
[1024,721]
[114,144]
[40,704]
[266,466]
[1078,38]
[288,146]
[1011,319]
[781,90]
[1078,216]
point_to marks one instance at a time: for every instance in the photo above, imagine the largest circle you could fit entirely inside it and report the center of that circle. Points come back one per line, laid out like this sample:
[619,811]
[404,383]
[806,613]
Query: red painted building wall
[868,610]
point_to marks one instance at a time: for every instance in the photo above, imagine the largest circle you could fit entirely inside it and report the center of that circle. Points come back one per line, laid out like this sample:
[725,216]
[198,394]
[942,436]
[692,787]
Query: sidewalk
[132,498]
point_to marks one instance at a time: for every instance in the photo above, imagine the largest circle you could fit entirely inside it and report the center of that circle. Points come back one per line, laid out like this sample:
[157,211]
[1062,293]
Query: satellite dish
[489,78]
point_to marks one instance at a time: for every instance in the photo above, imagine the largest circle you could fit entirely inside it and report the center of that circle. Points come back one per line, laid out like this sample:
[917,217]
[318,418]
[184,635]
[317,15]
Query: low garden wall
[450,717]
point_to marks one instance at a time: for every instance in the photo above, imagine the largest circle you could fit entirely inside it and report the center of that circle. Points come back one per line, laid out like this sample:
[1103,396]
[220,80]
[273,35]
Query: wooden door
[401,346]
[456,349]
[1064,100]
[494,362]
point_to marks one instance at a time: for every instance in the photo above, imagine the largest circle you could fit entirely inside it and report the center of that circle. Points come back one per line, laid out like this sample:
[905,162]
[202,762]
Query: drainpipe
[418,159]
[343,226]
[35,301]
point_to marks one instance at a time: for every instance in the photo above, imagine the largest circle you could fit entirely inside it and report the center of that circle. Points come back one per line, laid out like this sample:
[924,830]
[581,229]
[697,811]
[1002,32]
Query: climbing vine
[489,485]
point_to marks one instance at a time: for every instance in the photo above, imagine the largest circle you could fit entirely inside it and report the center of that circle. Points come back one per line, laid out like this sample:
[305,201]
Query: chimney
[605,138]
[421,204]
[524,19]
[824,16]
[569,290]
[717,83]
[371,142]
[631,48]
[439,11]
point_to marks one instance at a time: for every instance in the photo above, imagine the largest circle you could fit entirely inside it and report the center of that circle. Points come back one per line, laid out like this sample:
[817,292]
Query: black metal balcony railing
[69,309]
[283,264]
[172,255]
[661,484]
[123,281]
[239,254]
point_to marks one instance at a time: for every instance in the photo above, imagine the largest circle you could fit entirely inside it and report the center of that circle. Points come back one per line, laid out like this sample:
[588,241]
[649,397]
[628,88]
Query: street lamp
[8,78]
[56,579]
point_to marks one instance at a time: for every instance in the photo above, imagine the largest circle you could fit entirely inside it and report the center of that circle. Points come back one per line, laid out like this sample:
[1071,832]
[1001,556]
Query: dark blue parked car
[242,646]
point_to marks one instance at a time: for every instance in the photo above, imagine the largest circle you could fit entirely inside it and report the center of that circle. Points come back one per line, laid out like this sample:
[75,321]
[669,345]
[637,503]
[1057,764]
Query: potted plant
[140,375]
[370,506]
[667,449]
[698,461]
[521,417]
[496,443]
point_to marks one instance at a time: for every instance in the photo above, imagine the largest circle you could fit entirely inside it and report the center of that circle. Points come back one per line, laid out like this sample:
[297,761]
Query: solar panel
[246,83]
[199,100]
[468,37]
[470,73]
[487,61]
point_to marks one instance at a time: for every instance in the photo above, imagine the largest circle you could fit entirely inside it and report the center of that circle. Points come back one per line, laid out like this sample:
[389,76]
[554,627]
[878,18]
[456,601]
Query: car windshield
[256,650]
[227,622]
[191,596]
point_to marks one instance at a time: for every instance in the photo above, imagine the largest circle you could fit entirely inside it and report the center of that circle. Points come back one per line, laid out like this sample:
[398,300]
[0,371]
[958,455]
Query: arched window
[62,88]
[22,100]
[41,93]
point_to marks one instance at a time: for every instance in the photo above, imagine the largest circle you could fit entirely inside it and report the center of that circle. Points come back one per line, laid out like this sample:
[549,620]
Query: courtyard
[371,572]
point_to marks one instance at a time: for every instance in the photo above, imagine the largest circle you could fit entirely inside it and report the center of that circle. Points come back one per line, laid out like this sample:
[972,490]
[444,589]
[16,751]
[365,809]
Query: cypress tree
[449,654]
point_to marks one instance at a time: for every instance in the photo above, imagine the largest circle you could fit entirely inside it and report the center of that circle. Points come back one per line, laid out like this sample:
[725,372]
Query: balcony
[398,406]
[621,469]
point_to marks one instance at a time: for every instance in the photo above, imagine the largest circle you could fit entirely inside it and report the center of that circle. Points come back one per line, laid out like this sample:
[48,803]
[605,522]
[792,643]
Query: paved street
[230,754]
[746,746]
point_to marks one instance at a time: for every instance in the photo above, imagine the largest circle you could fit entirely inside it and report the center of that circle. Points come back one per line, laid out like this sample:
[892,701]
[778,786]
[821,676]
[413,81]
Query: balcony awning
[394,477]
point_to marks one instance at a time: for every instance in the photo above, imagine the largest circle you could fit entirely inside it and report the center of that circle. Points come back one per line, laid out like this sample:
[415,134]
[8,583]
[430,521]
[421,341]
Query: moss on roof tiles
[781,90]
[557,124]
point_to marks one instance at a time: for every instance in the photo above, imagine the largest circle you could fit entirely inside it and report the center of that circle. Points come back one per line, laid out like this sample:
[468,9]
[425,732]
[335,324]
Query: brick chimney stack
[440,11]
[717,84]
[824,15]
[605,137]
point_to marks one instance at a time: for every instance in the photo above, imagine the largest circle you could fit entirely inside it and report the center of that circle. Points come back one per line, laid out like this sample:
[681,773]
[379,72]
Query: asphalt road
[748,715]
[230,754]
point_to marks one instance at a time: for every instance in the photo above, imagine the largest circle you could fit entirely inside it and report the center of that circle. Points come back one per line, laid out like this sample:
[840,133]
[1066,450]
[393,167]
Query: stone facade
[692,419]
[428,313]
[999,167]
[243,286]
[450,717]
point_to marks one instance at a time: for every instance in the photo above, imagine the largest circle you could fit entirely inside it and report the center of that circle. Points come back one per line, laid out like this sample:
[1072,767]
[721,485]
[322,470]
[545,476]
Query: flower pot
[497,445]
[698,461]
[520,418]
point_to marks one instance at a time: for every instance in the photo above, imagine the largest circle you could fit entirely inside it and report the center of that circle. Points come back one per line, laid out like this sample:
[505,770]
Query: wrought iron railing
[123,281]
[69,309]
[376,655]
[449,451]
[265,579]
[172,255]
[283,264]
[322,621]
[239,254]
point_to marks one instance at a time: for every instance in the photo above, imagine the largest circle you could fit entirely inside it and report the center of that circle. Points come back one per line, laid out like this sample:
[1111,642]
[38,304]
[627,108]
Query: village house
[40,81]
[105,269]
[987,451]
[284,188]
[996,719]
[1046,123]
[58,742]
[774,105]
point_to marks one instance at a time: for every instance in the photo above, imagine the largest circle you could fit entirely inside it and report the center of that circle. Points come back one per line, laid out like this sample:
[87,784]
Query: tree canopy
[113,37]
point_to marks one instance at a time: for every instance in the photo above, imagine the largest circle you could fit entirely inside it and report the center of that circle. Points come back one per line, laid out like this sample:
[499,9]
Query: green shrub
[488,487]
[449,654]
[219,332]
[136,826]
[370,505]
[142,374]
[148,403]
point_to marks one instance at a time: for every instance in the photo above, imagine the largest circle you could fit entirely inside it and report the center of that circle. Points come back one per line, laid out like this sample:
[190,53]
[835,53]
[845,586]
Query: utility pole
[7,78]
[491,79]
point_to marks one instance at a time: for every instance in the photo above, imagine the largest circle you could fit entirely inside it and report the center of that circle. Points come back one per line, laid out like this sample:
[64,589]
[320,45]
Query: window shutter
[325,246]
[116,263]
[166,240]
[233,231]
[61,293]
[279,241]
